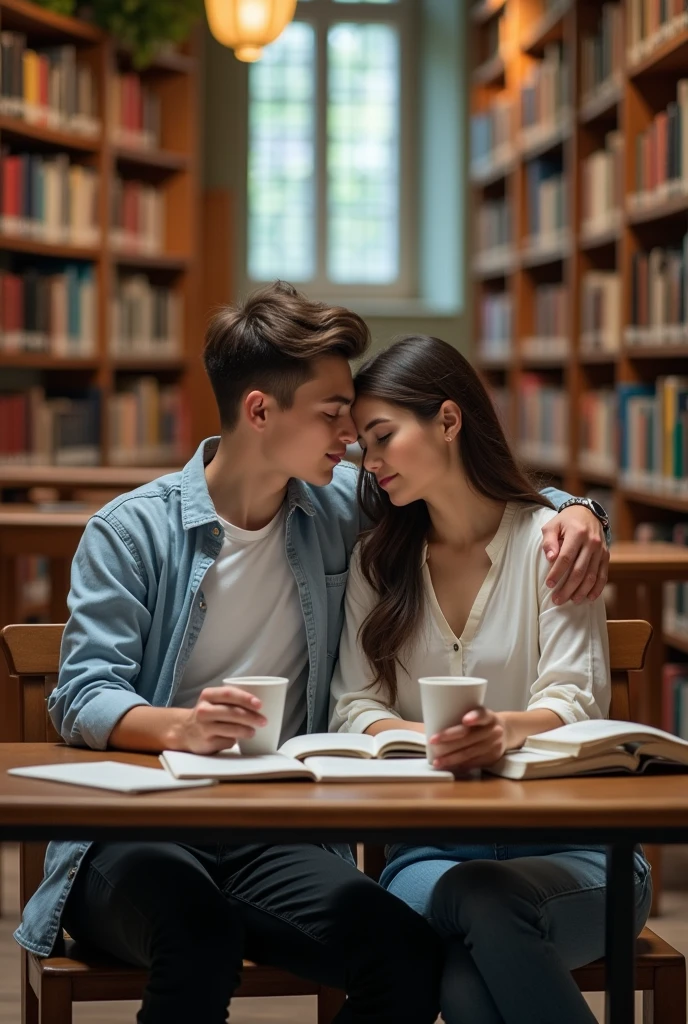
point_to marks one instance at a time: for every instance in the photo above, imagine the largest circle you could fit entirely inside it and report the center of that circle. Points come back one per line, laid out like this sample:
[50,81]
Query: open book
[594,746]
[115,775]
[320,757]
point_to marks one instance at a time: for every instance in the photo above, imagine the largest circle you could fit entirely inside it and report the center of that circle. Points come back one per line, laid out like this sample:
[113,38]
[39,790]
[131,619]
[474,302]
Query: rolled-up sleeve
[573,668]
[355,702]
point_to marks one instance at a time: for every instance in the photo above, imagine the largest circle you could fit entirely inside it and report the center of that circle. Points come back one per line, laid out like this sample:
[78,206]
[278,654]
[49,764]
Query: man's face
[309,439]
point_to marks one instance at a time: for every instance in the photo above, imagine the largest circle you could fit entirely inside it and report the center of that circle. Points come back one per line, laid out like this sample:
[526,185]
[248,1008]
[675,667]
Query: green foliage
[143,25]
[59,6]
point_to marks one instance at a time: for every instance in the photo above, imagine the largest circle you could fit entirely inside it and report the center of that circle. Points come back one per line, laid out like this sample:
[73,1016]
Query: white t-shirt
[534,654]
[253,622]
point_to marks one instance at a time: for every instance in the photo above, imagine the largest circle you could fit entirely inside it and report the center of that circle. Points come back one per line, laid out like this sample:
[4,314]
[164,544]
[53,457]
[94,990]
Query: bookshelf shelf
[670,502]
[536,142]
[147,199]
[588,240]
[659,209]
[597,358]
[158,159]
[493,172]
[490,72]
[496,365]
[483,12]
[542,253]
[547,29]
[10,243]
[18,130]
[671,55]
[656,351]
[676,640]
[602,103]
[22,16]
[593,476]
[42,361]
[147,261]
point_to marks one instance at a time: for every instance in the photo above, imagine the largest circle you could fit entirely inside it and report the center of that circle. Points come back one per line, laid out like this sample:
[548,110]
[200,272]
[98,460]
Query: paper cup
[272,691]
[446,699]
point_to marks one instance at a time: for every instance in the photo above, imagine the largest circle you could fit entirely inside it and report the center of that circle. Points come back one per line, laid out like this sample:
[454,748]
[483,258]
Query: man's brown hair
[270,342]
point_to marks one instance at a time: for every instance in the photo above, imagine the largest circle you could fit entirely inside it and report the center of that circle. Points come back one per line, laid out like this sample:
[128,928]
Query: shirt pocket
[335,587]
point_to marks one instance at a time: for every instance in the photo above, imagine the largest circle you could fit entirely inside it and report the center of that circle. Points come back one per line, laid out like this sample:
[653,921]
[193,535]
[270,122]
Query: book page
[343,744]
[405,742]
[231,766]
[597,733]
[114,775]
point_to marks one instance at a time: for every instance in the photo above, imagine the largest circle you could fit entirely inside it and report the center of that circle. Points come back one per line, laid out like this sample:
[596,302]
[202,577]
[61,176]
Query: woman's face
[408,456]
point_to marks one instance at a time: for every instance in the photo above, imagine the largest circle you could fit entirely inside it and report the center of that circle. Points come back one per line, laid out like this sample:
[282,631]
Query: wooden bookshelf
[641,85]
[172,166]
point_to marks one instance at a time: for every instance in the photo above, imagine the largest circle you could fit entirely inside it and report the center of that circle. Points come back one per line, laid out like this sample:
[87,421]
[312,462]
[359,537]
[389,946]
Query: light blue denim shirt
[136,610]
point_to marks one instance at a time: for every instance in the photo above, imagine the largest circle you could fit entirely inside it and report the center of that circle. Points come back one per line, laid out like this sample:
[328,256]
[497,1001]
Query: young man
[237,566]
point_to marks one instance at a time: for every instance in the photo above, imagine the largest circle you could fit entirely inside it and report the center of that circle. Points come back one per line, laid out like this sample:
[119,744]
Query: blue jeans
[515,920]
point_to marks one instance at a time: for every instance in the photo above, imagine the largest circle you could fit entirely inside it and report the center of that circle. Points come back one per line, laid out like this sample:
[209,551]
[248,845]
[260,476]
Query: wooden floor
[673,926]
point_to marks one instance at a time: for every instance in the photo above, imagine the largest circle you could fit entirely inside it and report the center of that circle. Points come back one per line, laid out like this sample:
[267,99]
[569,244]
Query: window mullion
[321,154]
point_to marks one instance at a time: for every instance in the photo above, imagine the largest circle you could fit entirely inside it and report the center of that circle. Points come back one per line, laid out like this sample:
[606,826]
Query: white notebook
[123,778]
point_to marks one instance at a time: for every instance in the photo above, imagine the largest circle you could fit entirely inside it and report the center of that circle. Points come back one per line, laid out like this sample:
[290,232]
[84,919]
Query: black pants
[190,914]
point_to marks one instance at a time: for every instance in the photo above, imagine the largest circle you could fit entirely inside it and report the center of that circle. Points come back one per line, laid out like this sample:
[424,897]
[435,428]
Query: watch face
[597,509]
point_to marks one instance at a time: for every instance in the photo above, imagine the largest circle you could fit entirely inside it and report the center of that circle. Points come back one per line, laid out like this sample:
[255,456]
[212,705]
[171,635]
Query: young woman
[451,581]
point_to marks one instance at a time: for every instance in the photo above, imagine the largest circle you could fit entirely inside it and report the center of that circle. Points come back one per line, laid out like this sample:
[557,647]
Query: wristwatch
[594,506]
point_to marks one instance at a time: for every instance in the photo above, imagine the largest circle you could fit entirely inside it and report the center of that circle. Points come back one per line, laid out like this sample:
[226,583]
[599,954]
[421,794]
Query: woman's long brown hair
[419,373]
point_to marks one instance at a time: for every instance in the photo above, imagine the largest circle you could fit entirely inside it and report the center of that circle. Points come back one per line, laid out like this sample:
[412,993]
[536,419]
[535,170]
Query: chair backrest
[32,653]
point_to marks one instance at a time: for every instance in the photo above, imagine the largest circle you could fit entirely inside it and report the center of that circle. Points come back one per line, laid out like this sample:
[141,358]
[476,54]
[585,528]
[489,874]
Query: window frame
[321,14]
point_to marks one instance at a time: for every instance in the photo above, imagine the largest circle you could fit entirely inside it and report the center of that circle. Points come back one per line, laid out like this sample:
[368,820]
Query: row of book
[653,435]
[494,227]
[545,95]
[602,186]
[496,325]
[651,23]
[148,424]
[550,311]
[135,112]
[661,153]
[51,86]
[547,201]
[659,297]
[543,420]
[49,310]
[597,431]
[146,319]
[137,216]
[48,198]
[600,311]
[36,429]
[492,135]
[602,52]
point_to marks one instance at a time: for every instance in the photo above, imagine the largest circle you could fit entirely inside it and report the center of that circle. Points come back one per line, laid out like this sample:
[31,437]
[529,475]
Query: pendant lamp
[246,26]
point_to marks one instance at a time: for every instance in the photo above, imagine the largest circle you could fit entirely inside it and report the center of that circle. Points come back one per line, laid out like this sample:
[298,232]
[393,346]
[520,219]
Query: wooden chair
[50,985]
[660,970]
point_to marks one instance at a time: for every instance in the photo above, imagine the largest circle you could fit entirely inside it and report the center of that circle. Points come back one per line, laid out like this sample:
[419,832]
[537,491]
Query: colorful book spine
[600,311]
[148,423]
[37,430]
[50,310]
[602,51]
[138,217]
[653,435]
[659,297]
[135,112]
[543,421]
[598,427]
[146,319]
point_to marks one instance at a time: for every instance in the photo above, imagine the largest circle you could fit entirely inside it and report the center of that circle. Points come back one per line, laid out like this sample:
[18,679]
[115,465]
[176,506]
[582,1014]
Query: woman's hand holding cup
[479,741]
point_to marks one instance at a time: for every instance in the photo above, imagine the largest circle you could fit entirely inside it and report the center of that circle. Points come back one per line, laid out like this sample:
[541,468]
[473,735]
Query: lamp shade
[246,26]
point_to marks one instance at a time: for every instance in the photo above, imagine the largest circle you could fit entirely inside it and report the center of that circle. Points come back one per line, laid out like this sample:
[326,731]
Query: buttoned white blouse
[533,653]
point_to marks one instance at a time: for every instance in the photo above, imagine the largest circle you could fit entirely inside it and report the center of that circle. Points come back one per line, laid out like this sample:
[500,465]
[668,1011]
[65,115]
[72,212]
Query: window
[329,175]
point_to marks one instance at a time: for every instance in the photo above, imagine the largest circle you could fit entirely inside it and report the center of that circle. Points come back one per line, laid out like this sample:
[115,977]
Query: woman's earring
[448,437]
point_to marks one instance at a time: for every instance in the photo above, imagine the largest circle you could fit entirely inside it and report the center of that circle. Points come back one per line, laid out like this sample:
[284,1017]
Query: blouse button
[456,647]
[202,605]
[216,531]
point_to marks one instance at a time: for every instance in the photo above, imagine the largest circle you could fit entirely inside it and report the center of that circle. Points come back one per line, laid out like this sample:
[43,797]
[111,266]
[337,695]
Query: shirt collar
[197,506]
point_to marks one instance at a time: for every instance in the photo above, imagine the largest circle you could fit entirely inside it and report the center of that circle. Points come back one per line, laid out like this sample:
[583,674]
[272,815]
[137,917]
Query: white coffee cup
[445,700]
[272,691]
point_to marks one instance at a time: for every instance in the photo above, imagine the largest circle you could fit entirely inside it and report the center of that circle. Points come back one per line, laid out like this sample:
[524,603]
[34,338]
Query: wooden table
[618,812]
